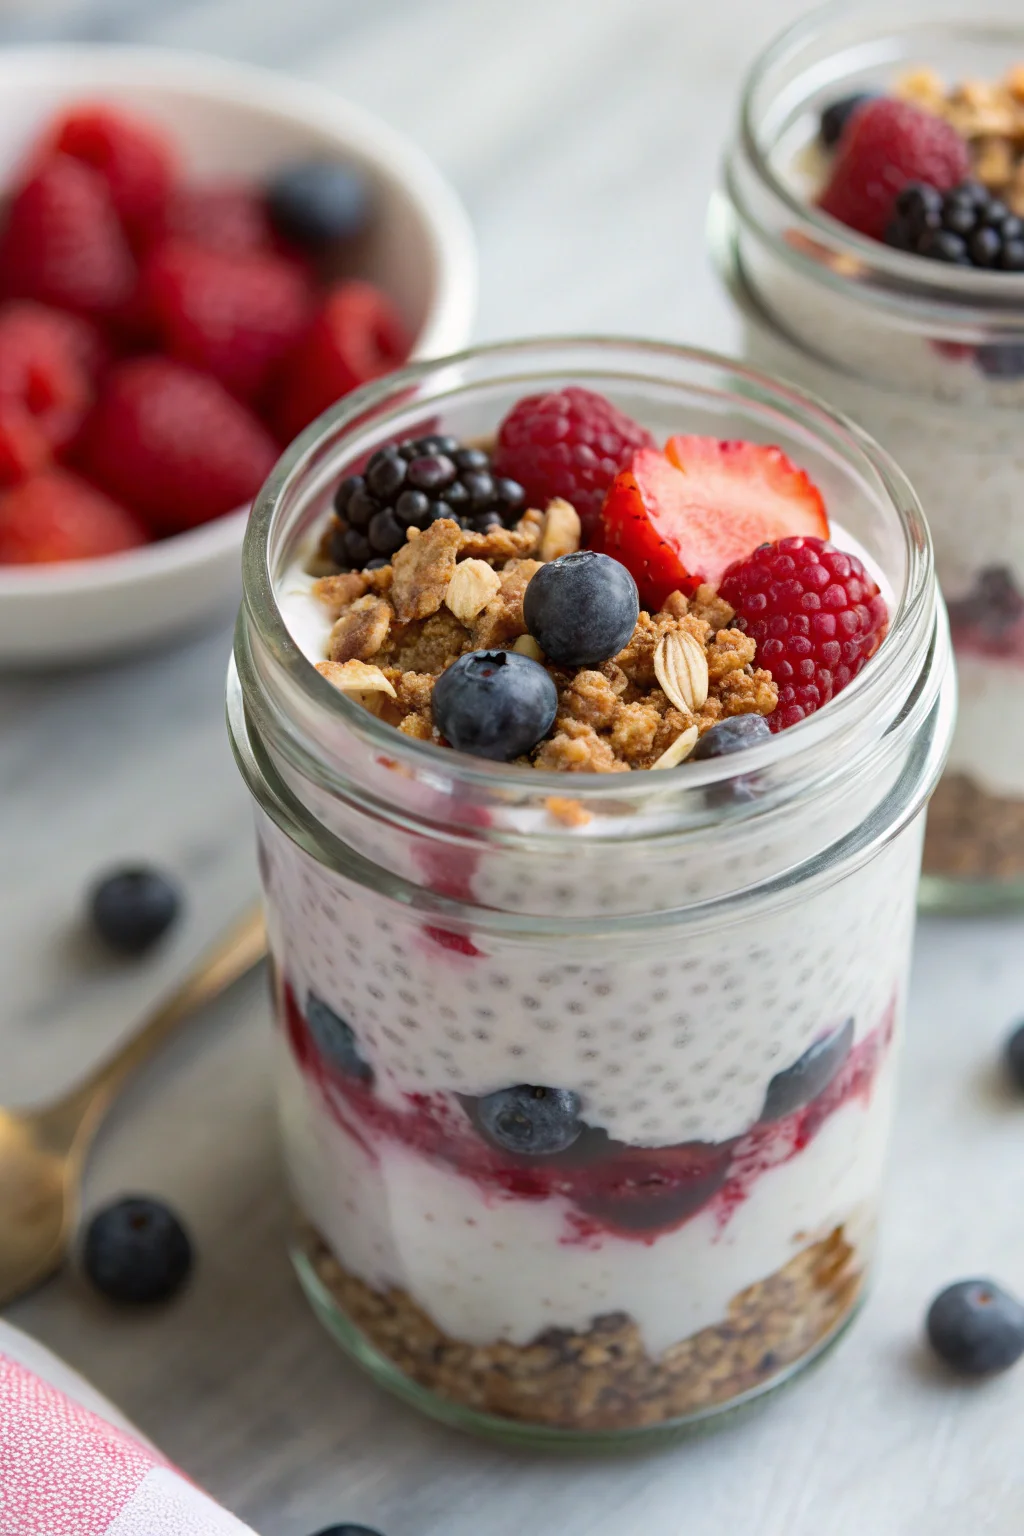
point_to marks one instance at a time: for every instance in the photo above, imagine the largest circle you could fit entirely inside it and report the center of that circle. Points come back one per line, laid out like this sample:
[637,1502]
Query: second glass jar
[927,358]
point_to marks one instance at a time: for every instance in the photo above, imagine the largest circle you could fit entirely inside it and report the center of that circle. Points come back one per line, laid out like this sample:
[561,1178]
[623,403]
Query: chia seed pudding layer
[584,1082]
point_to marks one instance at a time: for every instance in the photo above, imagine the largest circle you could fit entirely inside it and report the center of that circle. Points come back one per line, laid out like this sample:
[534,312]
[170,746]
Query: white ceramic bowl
[228,120]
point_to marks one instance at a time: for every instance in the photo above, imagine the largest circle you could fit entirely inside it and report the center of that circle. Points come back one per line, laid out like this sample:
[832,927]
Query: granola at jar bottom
[572,858]
[877,252]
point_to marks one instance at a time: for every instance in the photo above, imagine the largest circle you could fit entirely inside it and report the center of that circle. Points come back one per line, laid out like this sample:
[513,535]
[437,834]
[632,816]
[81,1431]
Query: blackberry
[410,485]
[966,227]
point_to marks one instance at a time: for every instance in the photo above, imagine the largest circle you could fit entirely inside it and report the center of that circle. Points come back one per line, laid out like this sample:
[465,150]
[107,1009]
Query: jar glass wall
[928,358]
[686,955]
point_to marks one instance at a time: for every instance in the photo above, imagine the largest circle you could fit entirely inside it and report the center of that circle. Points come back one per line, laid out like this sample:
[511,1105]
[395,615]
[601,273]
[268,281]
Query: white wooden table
[584,135]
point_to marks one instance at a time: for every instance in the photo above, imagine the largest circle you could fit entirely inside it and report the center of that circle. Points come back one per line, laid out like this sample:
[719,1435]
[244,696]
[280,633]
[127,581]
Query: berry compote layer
[611,1179]
[931,169]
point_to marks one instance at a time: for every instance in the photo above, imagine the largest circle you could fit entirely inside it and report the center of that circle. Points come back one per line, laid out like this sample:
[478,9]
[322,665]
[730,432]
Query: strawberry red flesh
[681,518]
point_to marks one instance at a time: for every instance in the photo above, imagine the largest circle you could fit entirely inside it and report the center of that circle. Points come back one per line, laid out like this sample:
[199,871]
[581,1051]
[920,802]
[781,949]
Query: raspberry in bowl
[871,232]
[244,250]
[584,1085]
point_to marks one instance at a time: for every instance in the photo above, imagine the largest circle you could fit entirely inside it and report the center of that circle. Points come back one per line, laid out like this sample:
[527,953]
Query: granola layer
[449,591]
[603,1379]
[973,835]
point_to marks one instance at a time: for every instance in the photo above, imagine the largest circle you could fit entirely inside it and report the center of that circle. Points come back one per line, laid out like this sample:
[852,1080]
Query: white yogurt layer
[486,1269]
[669,1040]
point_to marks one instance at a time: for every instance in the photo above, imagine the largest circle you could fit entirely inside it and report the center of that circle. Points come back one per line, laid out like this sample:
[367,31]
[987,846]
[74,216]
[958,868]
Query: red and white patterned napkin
[71,1466]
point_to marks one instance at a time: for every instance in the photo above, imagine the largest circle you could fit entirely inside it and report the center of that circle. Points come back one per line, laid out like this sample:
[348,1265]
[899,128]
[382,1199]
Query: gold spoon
[42,1151]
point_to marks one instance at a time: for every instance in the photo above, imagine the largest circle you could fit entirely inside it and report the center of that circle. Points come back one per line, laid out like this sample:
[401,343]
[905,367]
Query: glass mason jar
[928,358]
[688,952]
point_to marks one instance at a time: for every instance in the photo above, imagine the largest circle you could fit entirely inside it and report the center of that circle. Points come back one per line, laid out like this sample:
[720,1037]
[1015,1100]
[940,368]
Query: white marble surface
[584,136]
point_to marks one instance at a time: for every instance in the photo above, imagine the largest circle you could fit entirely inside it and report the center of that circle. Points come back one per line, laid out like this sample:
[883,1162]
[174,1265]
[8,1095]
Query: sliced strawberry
[683,517]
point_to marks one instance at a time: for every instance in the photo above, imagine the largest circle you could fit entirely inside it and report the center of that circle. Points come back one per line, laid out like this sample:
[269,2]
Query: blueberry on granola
[531,1121]
[810,1075]
[976,1327]
[582,608]
[733,735]
[336,1040]
[495,704]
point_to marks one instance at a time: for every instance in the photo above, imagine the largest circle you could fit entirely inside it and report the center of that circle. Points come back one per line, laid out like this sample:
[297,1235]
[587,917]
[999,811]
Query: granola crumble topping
[449,591]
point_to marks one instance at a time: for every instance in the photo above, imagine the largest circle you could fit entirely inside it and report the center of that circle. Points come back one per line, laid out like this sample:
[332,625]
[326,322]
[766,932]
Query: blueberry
[837,114]
[1015,1054]
[976,1328]
[534,1122]
[132,908]
[347,1530]
[495,704]
[582,608]
[136,1250]
[733,735]
[314,203]
[809,1075]
[336,1040]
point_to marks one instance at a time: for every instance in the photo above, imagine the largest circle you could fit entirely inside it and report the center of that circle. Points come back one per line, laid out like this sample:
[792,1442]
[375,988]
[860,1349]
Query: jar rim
[826,250]
[282,666]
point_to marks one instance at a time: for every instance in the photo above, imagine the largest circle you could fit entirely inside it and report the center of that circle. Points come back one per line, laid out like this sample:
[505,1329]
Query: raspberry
[232,316]
[134,159]
[47,360]
[357,335]
[224,217]
[816,615]
[55,516]
[173,445]
[63,244]
[569,443]
[887,144]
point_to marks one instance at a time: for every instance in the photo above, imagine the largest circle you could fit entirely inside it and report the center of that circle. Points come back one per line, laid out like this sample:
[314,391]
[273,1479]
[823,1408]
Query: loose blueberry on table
[136,1251]
[976,1328]
[1015,1054]
[132,908]
[161,340]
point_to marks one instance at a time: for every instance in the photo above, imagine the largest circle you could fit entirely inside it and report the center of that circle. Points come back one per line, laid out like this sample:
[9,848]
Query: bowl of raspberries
[196,259]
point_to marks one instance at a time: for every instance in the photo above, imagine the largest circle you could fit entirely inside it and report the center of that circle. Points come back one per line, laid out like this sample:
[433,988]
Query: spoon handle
[76,1117]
